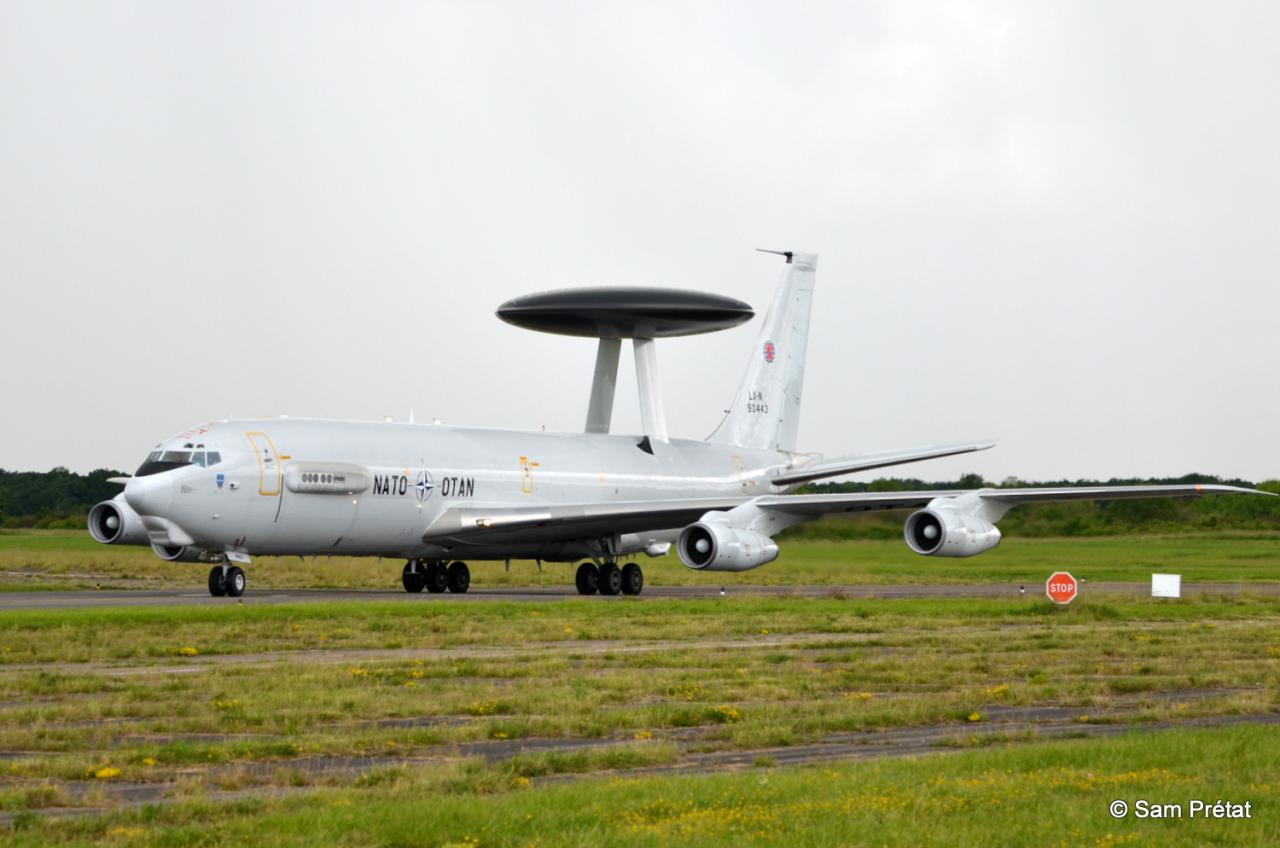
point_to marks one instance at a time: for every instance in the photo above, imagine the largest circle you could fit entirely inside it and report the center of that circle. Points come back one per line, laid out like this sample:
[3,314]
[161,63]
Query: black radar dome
[625,312]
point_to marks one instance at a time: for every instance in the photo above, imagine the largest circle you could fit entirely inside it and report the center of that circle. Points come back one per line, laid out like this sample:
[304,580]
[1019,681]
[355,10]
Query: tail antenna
[787,253]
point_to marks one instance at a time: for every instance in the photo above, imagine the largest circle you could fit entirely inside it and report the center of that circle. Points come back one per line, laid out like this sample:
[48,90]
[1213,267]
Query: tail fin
[766,412]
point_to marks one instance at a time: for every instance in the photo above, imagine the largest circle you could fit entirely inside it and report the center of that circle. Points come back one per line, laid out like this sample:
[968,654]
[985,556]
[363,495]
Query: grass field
[43,559]
[733,720]
[1037,795]
[710,722]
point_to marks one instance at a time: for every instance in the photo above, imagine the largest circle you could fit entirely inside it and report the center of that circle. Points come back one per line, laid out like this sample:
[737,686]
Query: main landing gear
[435,577]
[227,581]
[608,579]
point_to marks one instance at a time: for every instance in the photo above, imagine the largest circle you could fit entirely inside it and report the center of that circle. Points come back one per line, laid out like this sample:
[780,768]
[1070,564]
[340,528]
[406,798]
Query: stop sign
[1061,587]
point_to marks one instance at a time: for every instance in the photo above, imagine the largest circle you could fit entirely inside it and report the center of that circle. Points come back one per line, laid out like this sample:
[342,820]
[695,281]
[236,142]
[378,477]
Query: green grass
[82,690]
[236,698]
[70,559]
[1044,794]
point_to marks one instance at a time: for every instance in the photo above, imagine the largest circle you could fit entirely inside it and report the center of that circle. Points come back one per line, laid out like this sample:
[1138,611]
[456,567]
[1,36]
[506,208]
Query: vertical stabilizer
[766,411]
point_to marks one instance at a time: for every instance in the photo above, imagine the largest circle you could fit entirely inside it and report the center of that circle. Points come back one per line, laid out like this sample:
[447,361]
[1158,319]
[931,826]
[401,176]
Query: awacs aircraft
[436,496]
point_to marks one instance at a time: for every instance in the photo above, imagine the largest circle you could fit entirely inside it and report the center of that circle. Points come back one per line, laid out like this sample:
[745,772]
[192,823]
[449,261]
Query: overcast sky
[1054,226]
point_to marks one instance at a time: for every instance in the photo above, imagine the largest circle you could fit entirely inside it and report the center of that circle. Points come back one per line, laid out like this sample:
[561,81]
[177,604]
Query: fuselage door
[269,473]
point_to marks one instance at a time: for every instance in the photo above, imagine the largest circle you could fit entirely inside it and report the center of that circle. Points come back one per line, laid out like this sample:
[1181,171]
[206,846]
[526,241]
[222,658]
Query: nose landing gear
[227,581]
[218,581]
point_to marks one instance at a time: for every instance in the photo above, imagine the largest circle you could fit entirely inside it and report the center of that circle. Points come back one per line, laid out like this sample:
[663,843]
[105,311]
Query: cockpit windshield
[161,461]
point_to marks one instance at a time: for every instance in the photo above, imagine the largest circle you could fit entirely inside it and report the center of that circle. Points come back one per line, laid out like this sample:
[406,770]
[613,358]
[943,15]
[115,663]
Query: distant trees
[55,497]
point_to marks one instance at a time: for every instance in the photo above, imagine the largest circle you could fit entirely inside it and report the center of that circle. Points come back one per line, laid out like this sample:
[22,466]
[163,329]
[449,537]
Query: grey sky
[1054,225]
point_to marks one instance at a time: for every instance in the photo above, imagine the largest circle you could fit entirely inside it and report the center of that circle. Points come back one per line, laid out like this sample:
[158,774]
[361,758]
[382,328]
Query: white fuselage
[308,487]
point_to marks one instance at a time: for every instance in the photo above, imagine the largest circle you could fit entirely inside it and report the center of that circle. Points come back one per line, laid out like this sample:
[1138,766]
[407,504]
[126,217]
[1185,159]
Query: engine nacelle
[714,546]
[178,553]
[947,533]
[114,522]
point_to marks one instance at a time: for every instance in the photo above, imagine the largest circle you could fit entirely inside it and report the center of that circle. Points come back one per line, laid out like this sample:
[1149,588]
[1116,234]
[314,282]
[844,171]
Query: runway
[85,599]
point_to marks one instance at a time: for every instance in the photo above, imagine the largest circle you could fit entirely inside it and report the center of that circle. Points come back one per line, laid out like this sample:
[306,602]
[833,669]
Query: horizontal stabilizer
[121,480]
[866,462]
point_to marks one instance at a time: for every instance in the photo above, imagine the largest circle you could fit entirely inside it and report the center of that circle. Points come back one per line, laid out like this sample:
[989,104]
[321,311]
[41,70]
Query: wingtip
[1236,490]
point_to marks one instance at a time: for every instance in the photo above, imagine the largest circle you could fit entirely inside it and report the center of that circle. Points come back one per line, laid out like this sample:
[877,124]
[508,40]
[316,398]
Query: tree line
[57,498]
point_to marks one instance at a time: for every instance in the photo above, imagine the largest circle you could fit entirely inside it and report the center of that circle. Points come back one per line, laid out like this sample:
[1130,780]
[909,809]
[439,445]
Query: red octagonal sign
[1061,587]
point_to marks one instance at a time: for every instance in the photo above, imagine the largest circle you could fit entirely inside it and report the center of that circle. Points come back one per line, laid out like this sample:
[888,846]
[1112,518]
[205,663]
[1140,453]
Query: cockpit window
[160,461]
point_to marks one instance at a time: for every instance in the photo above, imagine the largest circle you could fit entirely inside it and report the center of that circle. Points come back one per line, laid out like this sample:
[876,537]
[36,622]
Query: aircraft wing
[855,501]
[563,522]
[866,462]
[476,523]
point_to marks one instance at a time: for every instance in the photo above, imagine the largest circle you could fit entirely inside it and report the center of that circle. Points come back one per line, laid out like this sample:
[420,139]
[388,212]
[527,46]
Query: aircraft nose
[149,495]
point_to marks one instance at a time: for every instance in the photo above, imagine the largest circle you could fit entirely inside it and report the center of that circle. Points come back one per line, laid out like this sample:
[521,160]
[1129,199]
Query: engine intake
[946,533]
[113,522]
[178,553]
[710,546]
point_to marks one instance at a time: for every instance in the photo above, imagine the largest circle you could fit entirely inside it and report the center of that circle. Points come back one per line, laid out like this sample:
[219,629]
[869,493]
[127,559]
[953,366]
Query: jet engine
[714,546]
[177,553]
[114,522]
[947,533]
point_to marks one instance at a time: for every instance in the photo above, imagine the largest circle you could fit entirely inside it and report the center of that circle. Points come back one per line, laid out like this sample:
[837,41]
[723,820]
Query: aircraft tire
[459,577]
[610,579]
[414,581]
[632,579]
[437,579]
[217,582]
[587,579]
[236,582]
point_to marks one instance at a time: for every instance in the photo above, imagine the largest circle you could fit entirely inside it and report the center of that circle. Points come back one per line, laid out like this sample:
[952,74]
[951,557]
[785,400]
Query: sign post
[1061,588]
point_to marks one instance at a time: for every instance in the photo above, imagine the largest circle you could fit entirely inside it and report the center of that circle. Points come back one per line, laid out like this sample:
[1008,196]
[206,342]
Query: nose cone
[151,495]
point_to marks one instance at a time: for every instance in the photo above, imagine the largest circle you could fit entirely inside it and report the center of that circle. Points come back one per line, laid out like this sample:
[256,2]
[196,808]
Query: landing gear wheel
[632,579]
[588,579]
[413,579]
[610,579]
[217,582]
[437,578]
[236,582]
[459,577]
